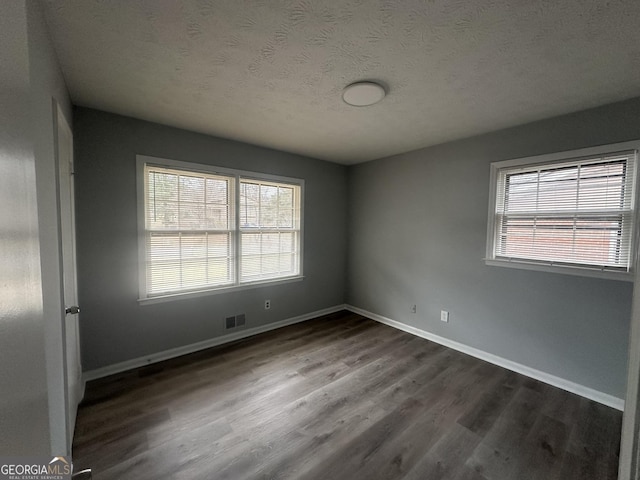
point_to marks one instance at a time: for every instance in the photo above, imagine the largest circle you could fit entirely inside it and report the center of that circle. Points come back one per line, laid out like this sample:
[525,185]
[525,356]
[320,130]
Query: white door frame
[629,465]
[630,441]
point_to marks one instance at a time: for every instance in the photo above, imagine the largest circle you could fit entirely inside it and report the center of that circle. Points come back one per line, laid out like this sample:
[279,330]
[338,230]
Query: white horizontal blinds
[577,212]
[269,230]
[189,224]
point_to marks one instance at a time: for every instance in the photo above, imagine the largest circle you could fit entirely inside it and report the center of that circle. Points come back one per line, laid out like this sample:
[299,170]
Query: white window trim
[141,160]
[561,268]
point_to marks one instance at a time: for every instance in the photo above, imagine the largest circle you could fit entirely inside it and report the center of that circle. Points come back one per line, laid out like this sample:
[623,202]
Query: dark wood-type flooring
[339,397]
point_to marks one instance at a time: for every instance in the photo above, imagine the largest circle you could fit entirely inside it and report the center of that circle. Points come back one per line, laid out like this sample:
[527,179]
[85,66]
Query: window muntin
[571,212]
[207,230]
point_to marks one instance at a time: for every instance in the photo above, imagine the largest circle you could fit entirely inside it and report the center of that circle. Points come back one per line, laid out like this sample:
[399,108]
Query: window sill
[216,291]
[563,269]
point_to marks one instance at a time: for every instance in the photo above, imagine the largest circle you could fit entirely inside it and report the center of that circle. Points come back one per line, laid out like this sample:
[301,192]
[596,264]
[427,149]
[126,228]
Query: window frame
[239,175]
[549,160]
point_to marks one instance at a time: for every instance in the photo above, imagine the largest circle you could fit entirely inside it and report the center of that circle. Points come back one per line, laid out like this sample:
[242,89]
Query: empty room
[319,239]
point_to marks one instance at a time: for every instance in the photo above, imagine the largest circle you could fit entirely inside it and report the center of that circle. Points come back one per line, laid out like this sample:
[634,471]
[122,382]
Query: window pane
[192,216]
[287,242]
[270,243]
[163,186]
[219,245]
[183,261]
[602,186]
[217,217]
[193,246]
[599,241]
[285,207]
[219,271]
[288,264]
[571,240]
[194,274]
[163,247]
[164,277]
[520,196]
[588,187]
[163,215]
[558,189]
[268,255]
[251,244]
[191,189]
[249,205]
[270,263]
[217,191]
[268,206]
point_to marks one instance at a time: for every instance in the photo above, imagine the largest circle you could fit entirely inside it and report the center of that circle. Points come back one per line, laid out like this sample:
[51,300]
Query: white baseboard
[591,394]
[562,383]
[194,347]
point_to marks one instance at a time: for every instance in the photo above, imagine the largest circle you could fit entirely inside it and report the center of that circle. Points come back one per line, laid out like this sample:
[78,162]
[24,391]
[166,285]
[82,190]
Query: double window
[572,212]
[205,228]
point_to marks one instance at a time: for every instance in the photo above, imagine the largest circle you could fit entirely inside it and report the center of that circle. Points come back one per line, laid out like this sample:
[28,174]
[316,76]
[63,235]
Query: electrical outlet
[444,315]
[267,304]
[414,309]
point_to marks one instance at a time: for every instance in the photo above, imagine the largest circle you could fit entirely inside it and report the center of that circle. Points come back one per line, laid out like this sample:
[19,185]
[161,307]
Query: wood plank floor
[339,397]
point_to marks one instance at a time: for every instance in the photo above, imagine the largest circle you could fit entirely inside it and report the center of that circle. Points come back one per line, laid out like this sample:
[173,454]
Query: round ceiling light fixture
[363,94]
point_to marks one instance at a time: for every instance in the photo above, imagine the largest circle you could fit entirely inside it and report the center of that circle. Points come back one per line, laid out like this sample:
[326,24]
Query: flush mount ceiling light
[363,94]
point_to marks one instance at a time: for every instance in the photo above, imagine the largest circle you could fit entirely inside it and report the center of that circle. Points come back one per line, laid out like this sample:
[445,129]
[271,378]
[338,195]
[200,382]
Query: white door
[73,376]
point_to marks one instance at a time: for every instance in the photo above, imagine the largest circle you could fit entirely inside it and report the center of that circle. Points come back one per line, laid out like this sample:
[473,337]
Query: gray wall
[24,419]
[114,327]
[417,235]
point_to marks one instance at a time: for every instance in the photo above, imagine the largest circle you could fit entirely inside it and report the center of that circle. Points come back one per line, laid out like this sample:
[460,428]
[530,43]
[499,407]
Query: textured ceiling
[271,72]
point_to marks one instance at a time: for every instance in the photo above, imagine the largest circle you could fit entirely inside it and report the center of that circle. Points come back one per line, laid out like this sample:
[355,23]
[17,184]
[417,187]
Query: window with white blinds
[269,230]
[572,212]
[208,230]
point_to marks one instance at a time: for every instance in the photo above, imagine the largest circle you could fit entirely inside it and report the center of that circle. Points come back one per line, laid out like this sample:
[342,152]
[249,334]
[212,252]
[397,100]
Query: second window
[207,228]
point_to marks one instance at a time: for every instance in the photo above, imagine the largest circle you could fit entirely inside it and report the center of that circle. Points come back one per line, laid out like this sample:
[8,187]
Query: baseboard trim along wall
[591,394]
[195,347]
[562,383]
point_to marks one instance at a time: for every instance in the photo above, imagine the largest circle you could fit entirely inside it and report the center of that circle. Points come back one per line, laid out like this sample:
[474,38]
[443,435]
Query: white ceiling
[271,72]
